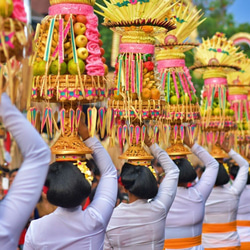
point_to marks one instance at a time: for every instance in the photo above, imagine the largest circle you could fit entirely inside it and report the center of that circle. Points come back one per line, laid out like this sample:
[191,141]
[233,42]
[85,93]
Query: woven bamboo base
[67,87]
[215,123]
[185,113]
[146,109]
[10,25]
[137,155]
[70,148]
[218,153]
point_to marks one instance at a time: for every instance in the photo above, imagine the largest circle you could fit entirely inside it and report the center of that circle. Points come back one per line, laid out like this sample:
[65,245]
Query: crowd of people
[170,206]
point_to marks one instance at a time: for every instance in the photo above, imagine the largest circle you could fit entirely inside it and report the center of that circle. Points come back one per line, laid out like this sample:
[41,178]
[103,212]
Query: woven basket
[9,26]
[135,108]
[68,82]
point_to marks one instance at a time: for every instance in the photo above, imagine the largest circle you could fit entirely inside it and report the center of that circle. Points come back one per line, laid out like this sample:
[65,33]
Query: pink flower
[19,11]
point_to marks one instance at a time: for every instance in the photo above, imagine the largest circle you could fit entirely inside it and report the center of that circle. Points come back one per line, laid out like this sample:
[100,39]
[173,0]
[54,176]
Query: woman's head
[187,172]
[222,176]
[139,181]
[233,170]
[67,186]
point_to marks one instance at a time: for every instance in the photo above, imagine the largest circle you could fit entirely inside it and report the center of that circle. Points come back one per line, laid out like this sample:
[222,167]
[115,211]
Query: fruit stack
[69,68]
[15,48]
[216,57]
[181,102]
[238,83]
[137,96]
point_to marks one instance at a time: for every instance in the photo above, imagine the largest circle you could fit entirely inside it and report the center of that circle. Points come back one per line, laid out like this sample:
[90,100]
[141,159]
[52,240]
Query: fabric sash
[243,223]
[219,228]
[182,243]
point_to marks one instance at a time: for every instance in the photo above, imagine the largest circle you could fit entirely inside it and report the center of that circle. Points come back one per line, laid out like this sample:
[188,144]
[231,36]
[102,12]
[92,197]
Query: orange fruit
[147,28]
[145,94]
[155,94]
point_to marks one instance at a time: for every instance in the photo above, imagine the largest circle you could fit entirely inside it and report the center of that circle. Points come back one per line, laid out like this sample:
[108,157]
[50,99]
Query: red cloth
[86,204]
[22,237]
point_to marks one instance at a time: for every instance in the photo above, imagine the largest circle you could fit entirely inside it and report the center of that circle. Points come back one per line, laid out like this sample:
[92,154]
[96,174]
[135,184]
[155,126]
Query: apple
[81,41]
[72,67]
[82,53]
[66,18]
[227,112]
[79,28]
[184,99]
[228,105]
[103,59]
[54,68]
[81,19]
[194,99]
[100,42]
[245,126]
[106,69]
[6,8]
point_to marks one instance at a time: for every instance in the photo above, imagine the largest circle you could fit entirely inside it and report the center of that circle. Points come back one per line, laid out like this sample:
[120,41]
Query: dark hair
[233,170]
[222,176]
[187,172]
[13,171]
[139,181]
[67,186]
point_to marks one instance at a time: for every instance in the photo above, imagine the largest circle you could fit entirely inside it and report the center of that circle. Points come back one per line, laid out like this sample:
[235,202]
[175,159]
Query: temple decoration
[182,106]
[68,69]
[238,83]
[137,98]
[215,58]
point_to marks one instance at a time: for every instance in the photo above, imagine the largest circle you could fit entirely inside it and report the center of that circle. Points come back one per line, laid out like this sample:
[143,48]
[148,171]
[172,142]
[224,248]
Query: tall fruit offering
[68,69]
[181,102]
[137,97]
[215,58]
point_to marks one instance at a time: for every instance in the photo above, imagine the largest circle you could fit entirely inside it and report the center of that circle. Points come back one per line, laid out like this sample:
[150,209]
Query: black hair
[139,181]
[233,170]
[13,171]
[222,176]
[67,186]
[187,172]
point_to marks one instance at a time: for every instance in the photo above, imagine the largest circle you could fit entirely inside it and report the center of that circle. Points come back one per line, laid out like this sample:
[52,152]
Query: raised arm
[168,186]
[208,178]
[106,192]
[241,178]
[16,207]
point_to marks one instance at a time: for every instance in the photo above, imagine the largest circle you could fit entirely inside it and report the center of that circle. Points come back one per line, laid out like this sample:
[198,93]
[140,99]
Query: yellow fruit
[146,94]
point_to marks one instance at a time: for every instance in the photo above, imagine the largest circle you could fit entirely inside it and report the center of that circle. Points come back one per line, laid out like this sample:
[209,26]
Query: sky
[241,11]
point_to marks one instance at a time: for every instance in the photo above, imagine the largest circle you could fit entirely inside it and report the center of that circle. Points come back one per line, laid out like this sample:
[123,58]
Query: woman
[219,225]
[243,215]
[18,204]
[184,221]
[139,225]
[68,227]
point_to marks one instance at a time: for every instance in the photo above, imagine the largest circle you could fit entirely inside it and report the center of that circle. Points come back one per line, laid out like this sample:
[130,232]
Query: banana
[40,53]
[68,51]
[152,77]
[55,36]
[70,56]
[147,75]
[54,43]
[149,86]
[145,71]
[67,45]
[146,80]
